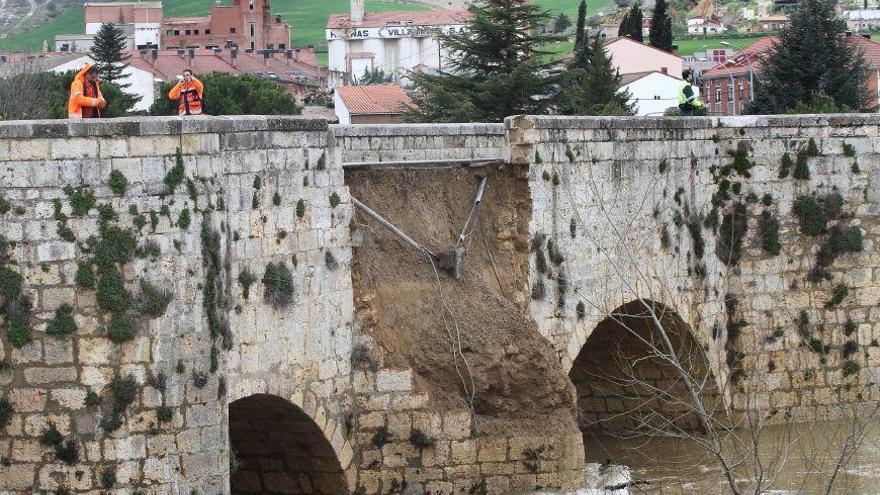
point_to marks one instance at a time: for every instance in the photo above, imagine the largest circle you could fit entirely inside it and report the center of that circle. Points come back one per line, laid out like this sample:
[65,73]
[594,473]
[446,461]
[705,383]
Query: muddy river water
[797,458]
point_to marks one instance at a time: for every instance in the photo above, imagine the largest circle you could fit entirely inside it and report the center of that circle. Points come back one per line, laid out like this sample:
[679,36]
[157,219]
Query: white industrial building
[395,42]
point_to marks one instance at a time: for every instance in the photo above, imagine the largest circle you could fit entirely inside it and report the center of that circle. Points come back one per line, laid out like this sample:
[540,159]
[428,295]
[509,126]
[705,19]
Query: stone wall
[625,202]
[429,143]
[242,182]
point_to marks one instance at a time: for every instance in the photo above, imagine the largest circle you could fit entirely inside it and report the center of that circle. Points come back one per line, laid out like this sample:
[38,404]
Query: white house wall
[653,94]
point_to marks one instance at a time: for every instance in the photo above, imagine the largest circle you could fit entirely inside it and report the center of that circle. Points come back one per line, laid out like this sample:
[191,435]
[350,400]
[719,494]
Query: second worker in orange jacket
[190,93]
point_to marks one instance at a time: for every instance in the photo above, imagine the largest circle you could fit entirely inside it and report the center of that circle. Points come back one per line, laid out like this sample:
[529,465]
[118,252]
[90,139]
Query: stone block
[26,400]
[463,452]
[39,376]
[457,425]
[394,381]
[18,476]
[492,450]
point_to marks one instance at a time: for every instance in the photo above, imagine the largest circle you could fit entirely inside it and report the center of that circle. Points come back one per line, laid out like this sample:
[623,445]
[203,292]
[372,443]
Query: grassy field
[308,18]
[688,47]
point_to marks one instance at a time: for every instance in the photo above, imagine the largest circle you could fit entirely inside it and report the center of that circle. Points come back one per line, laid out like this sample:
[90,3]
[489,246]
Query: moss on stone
[851,368]
[152,301]
[65,233]
[838,294]
[334,200]
[849,150]
[5,205]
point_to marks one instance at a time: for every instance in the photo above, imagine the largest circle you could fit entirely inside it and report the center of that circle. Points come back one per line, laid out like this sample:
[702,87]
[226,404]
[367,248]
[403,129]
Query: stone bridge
[194,306]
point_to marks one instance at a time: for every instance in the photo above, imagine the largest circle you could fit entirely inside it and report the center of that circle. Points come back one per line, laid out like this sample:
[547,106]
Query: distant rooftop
[387,19]
[374,99]
[151,5]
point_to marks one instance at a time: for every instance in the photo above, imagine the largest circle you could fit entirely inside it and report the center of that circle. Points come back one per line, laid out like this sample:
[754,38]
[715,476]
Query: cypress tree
[661,27]
[580,34]
[813,62]
[494,68]
[631,25]
[623,29]
[591,89]
[108,51]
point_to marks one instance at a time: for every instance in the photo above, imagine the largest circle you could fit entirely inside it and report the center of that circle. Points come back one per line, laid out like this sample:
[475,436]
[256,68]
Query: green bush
[121,328]
[152,301]
[849,150]
[6,411]
[278,285]
[10,283]
[5,205]
[118,183]
[768,226]
[51,436]
[334,200]
[812,149]
[63,324]
[300,208]
[92,399]
[811,215]
[184,220]
[246,279]
[786,166]
[176,174]
[838,294]
[81,198]
[851,368]
[111,294]
[849,327]
[65,233]
[164,414]
[228,94]
[108,477]
[849,348]
[801,167]
[276,199]
[732,231]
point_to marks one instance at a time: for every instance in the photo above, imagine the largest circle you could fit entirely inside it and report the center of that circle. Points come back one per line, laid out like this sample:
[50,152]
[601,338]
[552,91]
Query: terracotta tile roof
[383,19]
[758,52]
[375,99]
[168,64]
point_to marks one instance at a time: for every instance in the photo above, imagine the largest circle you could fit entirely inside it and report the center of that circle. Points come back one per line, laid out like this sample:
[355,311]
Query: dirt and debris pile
[520,385]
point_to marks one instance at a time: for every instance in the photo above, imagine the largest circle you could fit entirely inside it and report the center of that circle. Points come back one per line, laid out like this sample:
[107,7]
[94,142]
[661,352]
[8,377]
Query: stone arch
[624,384]
[279,449]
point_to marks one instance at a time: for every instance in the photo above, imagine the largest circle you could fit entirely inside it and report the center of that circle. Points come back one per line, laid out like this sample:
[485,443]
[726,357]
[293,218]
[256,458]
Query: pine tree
[624,28]
[493,71]
[812,59]
[661,27]
[592,89]
[108,51]
[580,34]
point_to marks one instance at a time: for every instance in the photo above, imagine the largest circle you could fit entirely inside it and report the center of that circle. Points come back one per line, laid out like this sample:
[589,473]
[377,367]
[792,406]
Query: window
[282,46]
[232,30]
[170,32]
[253,31]
[195,31]
[730,93]
[176,32]
[188,32]
[207,31]
[717,95]
[252,46]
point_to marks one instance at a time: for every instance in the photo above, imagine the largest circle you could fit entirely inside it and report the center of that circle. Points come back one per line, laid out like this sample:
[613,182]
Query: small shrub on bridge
[322,162]
[175,176]
[361,355]
[420,440]
[334,200]
[300,208]
[121,328]
[811,215]
[108,477]
[849,150]
[812,149]
[381,438]
[849,327]
[152,301]
[51,437]
[63,324]
[838,294]
[849,348]
[538,290]
[581,310]
[200,379]
[5,205]
[184,220]
[732,232]
[786,166]
[111,295]
[855,167]
[851,368]
[92,399]
[6,411]
[801,167]
[246,279]
[276,199]
[164,414]
[768,227]
[82,199]
[118,183]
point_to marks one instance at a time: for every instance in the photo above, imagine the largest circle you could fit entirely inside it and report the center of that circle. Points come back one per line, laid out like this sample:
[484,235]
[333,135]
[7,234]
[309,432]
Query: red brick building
[723,98]
[246,23]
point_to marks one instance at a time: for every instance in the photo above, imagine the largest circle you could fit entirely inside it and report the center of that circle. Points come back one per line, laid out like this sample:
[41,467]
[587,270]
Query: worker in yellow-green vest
[688,94]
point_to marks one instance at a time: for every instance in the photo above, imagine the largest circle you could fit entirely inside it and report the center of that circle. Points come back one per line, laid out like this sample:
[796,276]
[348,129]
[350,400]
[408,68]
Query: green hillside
[308,18]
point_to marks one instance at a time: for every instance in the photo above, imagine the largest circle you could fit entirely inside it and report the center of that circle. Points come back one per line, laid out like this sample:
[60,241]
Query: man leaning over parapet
[86,100]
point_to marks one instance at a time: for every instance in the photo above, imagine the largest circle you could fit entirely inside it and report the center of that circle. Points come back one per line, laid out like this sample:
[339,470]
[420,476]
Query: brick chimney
[357,11]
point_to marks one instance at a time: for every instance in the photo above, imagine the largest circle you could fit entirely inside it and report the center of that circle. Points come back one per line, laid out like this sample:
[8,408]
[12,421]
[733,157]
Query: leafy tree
[580,34]
[661,27]
[631,25]
[375,76]
[494,70]
[227,94]
[561,23]
[812,59]
[592,89]
[108,51]
[44,95]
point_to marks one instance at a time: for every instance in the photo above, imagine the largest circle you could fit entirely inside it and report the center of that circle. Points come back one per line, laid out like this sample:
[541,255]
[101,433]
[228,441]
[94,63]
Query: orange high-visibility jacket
[189,95]
[78,99]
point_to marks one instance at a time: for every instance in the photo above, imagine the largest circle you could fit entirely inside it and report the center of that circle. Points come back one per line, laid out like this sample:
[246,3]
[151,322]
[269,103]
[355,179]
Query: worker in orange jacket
[86,100]
[190,92]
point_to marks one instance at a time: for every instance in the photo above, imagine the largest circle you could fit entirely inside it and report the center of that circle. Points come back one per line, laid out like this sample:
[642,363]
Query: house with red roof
[726,88]
[394,42]
[373,104]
